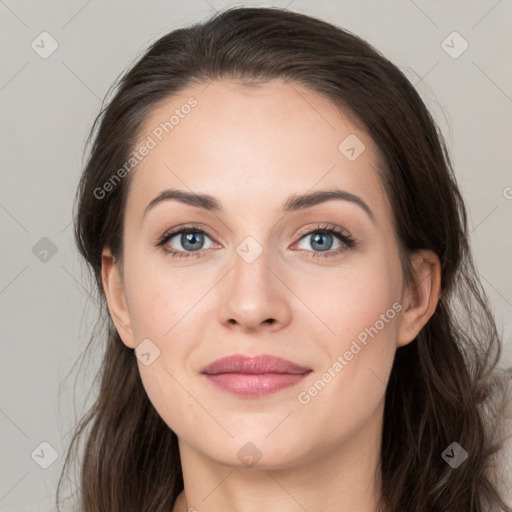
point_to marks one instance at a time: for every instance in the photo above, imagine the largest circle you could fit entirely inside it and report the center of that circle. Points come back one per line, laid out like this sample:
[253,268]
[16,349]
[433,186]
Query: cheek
[348,301]
[161,308]
[360,315]
[159,300]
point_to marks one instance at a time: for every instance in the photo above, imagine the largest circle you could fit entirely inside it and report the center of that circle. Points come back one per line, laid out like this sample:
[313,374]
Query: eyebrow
[294,203]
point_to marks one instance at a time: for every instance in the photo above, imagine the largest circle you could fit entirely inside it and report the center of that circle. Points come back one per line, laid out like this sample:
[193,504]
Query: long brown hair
[442,386]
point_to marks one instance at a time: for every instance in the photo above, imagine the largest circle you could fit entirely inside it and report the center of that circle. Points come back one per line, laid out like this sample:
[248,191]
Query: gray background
[48,105]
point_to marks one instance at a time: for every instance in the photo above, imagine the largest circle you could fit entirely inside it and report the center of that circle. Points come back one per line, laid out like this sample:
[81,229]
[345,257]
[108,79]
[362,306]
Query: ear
[421,298]
[113,287]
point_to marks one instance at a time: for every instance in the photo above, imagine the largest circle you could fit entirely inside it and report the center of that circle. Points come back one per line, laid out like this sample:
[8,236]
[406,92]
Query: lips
[256,365]
[254,376]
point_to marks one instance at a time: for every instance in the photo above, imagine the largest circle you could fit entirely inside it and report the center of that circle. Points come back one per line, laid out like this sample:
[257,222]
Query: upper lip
[253,365]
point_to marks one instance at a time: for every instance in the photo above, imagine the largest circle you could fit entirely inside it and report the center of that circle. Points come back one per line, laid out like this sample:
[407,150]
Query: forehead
[253,146]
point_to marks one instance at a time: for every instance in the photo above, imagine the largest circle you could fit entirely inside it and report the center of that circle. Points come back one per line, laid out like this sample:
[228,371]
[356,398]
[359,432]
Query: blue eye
[192,240]
[321,239]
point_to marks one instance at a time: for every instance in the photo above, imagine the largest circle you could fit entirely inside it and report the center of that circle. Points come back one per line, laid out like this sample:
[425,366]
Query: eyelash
[348,241]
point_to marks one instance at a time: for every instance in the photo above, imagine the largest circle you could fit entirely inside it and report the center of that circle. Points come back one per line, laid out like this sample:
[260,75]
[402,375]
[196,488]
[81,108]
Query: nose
[253,296]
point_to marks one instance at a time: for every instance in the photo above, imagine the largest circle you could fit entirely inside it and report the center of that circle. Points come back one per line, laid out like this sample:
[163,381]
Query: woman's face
[256,280]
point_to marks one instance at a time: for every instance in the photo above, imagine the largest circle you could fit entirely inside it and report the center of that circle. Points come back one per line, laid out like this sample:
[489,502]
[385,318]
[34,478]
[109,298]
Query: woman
[272,220]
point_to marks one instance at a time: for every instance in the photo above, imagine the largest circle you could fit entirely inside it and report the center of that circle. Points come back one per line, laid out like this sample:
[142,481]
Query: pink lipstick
[254,375]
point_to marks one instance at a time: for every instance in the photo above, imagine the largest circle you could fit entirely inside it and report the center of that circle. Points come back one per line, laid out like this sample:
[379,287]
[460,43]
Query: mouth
[254,376]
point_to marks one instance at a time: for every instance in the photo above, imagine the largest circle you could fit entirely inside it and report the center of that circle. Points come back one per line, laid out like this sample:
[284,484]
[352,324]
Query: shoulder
[503,434]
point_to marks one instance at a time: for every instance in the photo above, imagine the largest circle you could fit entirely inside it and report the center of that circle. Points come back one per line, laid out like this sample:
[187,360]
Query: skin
[251,148]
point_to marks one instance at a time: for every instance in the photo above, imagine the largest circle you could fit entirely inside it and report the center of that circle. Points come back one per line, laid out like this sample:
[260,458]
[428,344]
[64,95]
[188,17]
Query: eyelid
[184,227]
[343,235]
[324,227]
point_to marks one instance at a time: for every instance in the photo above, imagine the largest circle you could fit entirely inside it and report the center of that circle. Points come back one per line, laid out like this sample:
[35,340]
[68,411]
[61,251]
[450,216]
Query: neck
[341,478]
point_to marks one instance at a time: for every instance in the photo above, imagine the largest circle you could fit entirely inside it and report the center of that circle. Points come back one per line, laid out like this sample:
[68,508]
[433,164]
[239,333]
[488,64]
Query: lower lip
[255,385]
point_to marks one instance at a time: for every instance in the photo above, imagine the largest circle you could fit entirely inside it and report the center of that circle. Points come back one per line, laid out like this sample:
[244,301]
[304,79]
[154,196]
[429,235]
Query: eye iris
[187,238]
[317,240]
